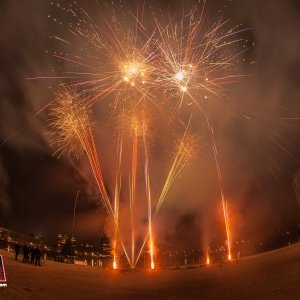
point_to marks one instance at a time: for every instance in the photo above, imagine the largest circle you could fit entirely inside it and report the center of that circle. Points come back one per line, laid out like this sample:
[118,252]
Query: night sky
[259,150]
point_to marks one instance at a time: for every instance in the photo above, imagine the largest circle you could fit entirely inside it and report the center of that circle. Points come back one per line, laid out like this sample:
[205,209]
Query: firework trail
[220,180]
[185,152]
[149,200]
[137,124]
[74,212]
[133,191]
[71,133]
[117,198]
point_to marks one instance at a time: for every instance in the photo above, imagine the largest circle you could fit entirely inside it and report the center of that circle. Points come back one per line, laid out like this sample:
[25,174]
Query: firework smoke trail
[220,180]
[117,199]
[148,192]
[74,212]
[72,133]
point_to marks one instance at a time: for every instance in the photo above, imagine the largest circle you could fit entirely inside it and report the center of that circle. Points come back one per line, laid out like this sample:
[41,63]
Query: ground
[272,275]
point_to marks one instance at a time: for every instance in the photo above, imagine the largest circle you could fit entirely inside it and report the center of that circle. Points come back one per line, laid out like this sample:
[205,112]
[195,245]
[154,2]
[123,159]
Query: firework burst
[69,120]
[185,59]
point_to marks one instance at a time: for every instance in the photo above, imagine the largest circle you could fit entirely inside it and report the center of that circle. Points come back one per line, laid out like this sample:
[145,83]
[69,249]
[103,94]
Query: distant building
[105,247]
[21,238]
[66,245]
[61,241]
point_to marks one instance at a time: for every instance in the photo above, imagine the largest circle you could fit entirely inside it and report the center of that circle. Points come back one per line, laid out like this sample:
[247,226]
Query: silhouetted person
[26,254]
[32,255]
[17,249]
[38,253]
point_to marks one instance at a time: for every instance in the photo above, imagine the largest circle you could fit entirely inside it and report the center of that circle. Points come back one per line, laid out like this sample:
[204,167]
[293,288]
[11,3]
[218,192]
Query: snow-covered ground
[273,275]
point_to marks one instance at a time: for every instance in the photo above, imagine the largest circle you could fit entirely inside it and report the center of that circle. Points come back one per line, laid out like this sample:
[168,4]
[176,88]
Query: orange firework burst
[120,59]
[188,147]
[134,123]
[195,60]
[69,119]
[176,57]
